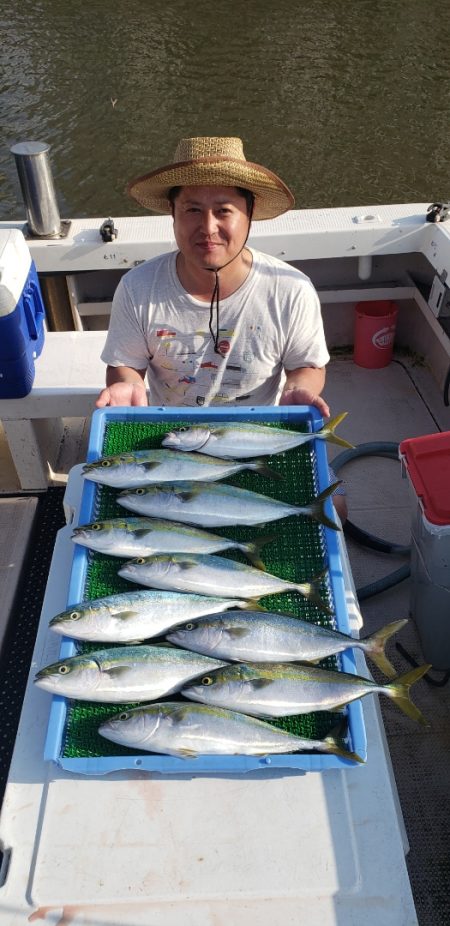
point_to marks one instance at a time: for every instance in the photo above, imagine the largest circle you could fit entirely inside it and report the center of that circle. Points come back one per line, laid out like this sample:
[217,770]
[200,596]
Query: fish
[124,673]
[281,690]
[267,636]
[144,536]
[189,730]
[215,504]
[144,467]
[129,617]
[208,574]
[243,439]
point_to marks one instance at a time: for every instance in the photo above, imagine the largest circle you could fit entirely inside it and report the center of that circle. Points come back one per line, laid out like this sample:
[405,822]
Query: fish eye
[207,680]
[123,716]
[97,526]
[190,626]
[74,615]
[182,430]
[140,491]
[105,463]
[140,561]
[63,669]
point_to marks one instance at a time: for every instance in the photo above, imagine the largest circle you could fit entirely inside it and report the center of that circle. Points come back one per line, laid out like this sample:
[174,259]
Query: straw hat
[213,162]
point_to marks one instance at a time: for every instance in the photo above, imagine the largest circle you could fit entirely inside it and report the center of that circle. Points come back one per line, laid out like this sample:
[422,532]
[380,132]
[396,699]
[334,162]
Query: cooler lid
[427,460]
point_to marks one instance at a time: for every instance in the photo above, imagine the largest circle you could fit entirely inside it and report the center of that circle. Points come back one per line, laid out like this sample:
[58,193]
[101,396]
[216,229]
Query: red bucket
[374,333]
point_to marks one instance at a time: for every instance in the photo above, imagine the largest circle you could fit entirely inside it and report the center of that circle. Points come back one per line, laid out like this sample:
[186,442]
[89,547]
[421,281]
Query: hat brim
[272,196]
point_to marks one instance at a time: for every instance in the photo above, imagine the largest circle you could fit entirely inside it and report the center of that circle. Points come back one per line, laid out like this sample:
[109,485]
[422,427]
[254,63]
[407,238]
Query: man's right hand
[122,393]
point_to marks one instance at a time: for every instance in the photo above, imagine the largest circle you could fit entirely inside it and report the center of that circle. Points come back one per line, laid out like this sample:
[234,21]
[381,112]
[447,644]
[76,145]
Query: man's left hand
[299,396]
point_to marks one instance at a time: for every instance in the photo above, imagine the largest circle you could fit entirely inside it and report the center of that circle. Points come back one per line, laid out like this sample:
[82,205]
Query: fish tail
[334,742]
[327,433]
[317,508]
[311,590]
[399,691]
[260,466]
[374,646]
[251,551]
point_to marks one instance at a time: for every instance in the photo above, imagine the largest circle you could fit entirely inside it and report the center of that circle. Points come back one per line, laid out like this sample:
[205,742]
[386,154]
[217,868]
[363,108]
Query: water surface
[348,102]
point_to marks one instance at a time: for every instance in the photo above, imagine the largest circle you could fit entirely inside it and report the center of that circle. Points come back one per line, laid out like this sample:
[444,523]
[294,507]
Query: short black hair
[246,194]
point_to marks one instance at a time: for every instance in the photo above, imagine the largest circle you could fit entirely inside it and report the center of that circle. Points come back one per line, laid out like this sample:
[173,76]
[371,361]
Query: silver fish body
[146,536]
[244,439]
[189,730]
[266,636]
[205,574]
[132,616]
[280,690]
[217,504]
[144,467]
[122,674]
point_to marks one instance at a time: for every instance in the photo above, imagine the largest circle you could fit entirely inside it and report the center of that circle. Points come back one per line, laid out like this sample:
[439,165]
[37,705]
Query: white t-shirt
[272,323]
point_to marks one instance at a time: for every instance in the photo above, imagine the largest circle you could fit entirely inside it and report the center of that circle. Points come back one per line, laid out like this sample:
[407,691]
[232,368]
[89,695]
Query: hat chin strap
[215,298]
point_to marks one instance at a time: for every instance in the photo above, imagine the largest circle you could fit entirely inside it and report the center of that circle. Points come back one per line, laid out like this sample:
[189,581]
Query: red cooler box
[427,464]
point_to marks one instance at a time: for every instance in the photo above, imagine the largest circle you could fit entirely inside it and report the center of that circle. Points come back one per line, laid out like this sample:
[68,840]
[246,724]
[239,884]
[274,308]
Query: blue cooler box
[22,316]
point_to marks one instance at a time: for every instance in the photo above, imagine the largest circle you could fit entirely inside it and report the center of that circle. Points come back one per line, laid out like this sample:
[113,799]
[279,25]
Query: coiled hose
[380,449]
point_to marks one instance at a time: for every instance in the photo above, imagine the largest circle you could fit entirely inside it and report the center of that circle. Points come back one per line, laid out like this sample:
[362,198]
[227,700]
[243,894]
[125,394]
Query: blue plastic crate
[290,416]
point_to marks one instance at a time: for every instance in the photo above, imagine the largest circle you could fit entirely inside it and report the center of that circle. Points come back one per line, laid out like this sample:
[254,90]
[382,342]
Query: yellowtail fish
[243,439]
[132,616]
[123,673]
[146,536]
[280,690]
[189,730]
[266,636]
[213,575]
[143,467]
[216,504]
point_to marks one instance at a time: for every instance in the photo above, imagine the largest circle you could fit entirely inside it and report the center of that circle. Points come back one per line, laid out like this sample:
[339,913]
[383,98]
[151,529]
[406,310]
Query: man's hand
[297,395]
[123,394]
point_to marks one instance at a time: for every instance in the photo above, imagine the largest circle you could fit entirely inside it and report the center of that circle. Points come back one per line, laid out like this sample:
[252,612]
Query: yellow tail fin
[399,690]
[374,646]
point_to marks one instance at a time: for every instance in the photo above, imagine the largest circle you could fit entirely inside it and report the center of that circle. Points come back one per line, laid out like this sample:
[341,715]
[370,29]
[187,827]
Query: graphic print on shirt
[186,362]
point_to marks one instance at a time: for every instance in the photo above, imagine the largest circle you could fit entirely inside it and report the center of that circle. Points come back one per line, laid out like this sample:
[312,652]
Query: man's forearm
[124,375]
[310,378]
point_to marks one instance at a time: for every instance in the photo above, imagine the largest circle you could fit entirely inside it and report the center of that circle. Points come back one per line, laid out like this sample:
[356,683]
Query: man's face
[210,224]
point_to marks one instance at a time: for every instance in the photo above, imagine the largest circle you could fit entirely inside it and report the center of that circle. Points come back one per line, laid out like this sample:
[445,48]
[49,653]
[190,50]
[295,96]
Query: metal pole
[38,192]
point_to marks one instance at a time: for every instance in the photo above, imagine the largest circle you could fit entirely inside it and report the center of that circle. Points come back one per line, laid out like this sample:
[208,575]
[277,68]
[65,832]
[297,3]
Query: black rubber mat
[22,627]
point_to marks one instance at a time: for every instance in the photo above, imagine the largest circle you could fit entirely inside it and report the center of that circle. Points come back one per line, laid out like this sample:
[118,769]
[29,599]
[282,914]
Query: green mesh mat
[294,551]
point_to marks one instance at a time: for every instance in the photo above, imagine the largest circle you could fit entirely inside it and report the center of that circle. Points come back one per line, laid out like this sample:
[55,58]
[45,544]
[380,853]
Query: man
[215,322]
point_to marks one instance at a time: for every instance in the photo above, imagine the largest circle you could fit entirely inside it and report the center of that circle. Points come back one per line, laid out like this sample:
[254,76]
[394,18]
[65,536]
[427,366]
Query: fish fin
[399,691]
[142,532]
[317,507]
[125,615]
[236,633]
[187,565]
[251,550]
[374,646]
[252,605]
[186,753]
[188,496]
[334,742]
[327,433]
[150,465]
[311,591]
[260,466]
[258,683]
[115,671]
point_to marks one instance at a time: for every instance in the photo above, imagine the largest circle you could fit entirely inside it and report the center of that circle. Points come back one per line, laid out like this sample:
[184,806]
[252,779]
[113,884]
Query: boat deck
[388,405]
